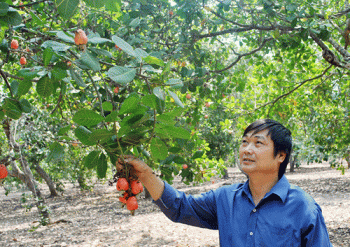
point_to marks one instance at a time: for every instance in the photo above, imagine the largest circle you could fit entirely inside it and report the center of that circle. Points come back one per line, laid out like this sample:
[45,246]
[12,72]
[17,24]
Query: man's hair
[280,135]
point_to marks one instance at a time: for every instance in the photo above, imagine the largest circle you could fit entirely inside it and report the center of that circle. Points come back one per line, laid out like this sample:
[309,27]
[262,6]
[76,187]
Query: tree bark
[27,174]
[225,176]
[293,162]
[347,158]
[47,179]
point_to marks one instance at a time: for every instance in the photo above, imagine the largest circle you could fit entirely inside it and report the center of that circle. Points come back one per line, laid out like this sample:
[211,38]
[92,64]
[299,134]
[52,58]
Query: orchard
[171,82]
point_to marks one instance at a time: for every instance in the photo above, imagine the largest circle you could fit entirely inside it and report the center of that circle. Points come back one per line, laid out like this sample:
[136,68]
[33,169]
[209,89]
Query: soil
[95,218]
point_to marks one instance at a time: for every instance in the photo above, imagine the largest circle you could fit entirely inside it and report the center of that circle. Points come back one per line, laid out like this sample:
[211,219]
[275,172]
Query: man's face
[256,154]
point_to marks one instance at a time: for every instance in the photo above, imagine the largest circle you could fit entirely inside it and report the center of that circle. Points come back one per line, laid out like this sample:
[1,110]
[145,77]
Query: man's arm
[176,205]
[316,234]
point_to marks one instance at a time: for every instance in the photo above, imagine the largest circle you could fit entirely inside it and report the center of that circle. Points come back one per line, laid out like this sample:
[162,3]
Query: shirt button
[251,233]
[254,210]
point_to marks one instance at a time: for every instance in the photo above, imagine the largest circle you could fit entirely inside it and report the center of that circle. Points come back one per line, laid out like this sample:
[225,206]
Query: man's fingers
[119,166]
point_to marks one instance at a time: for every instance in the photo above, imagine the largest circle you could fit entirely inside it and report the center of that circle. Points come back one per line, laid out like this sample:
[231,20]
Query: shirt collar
[280,189]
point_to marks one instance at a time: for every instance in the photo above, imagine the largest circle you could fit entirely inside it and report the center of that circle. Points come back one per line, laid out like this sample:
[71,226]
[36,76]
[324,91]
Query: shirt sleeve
[191,210]
[316,234]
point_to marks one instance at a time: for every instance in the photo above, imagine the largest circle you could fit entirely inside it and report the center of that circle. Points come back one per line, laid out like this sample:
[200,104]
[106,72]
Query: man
[264,211]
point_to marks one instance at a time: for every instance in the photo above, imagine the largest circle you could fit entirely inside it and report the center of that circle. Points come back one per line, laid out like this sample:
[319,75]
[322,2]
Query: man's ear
[281,156]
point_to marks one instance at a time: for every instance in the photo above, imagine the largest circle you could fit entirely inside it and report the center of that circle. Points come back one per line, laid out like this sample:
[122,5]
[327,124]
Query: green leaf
[172,131]
[113,157]
[175,83]
[66,38]
[107,106]
[179,160]
[90,61]
[63,130]
[56,46]
[166,69]
[121,75]
[56,152]
[24,87]
[113,5]
[91,160]
[25,105]
[48,53]
[27,73]
[176,98]
[12,108]
[98,40]
[140,54]
[77,78]
[122,44]
[135,22]
[4,7]
[112,116]
[176,112]
[129,104]
[197,154]
[154,60]
[101,135]
[159,93]
[58,73]
[14,87]
[291,7]
[66,8]
[158,149]
[12,17]
[149,100]
[166,119]
[101,166]
[101,52]
[36,19]
[87,118]
[94,3]
[44,87]
[83,134]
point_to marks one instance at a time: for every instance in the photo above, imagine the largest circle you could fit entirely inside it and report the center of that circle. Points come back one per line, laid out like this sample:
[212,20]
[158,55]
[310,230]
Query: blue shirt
[286,216]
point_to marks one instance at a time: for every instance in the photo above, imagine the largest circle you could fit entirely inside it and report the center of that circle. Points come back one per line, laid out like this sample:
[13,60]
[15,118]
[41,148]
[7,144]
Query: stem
[95,87]
[6,81]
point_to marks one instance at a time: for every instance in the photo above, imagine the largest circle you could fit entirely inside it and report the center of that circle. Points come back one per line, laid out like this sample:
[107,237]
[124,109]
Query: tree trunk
[40,202]
[27,174]
[292,163]
[47,179]
[225,176]
[347,158]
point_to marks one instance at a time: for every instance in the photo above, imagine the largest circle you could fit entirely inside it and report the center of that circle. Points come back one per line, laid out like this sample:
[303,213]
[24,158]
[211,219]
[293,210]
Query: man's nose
[248,148]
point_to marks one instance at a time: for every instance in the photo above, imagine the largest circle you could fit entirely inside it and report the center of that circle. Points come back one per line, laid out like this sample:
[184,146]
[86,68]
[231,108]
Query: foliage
[263,56]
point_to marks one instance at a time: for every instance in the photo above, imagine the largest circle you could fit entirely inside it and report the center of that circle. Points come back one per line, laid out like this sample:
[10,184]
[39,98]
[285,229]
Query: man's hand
[138,168]
[153,184]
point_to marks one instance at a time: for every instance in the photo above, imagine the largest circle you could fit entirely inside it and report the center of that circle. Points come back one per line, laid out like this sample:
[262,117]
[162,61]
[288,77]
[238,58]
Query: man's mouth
[248,160]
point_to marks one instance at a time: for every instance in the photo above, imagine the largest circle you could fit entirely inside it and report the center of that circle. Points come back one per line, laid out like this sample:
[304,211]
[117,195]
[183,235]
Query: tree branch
[16,77]
[225,19]
[291,91]
[244,29]
[6,81]
[243,55]
[327,54]
[340,49]
[29,4]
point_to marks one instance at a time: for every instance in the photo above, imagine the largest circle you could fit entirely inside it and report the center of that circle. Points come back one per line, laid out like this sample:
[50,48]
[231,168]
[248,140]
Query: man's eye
[259,142]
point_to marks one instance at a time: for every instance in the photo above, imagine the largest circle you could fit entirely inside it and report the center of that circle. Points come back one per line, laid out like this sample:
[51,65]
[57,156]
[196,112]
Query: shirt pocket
[275,237]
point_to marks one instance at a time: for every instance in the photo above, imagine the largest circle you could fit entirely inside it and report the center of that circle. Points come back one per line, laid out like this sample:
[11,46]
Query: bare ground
[96,218]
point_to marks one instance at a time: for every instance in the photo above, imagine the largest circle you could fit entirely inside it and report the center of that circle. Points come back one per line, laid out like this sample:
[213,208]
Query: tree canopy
[175,82]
